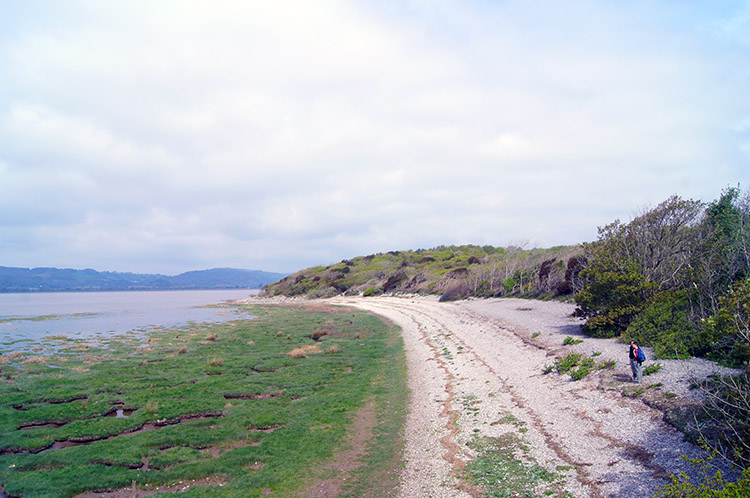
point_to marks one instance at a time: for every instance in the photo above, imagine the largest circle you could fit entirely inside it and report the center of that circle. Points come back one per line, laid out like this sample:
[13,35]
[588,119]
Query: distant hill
[60,280]
[454,272]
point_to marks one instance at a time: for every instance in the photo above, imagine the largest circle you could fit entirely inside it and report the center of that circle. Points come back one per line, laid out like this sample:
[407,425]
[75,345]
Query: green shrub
[570,341]
[580,373]
[583,369]
[565,364]
[729,329]
[370,291]
[725,424]
[709,483]
[664,325]
[610,299]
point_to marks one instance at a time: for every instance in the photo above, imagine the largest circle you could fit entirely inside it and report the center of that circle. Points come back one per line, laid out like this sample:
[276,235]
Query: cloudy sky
[166,136]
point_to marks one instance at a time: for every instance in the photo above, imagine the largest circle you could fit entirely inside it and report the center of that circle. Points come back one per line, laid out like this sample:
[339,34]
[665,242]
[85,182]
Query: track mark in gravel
[582,474]
[632,451]
[477,337]
[451,447]
[580,467]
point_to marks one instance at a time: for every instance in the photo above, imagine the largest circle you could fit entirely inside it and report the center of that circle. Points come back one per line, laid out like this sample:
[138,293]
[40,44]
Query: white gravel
[473,364]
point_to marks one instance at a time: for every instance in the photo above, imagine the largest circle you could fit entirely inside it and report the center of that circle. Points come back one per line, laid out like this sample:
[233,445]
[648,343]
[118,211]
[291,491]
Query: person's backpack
[641,355]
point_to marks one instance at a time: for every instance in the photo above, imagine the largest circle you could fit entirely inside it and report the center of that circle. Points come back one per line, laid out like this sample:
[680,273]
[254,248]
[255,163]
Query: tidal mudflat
[28,317]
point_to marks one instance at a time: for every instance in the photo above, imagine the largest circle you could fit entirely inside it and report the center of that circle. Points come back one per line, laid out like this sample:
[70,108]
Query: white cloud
[274,134]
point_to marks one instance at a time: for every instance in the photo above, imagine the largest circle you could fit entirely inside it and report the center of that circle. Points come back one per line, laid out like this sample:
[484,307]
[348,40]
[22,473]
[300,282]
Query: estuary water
[28,317]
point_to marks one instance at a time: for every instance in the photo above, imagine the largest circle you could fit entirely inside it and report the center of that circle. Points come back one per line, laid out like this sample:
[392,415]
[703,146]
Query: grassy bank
[298,398]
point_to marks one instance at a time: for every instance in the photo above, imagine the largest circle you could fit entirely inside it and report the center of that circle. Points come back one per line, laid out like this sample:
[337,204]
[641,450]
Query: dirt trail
[475,365]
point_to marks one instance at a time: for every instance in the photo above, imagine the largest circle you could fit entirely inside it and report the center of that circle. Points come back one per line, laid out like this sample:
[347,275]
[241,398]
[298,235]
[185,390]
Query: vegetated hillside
[454,272]
[59,280]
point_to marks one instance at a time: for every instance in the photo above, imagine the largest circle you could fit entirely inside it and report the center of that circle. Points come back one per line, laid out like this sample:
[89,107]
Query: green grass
[224,402]
[503,468]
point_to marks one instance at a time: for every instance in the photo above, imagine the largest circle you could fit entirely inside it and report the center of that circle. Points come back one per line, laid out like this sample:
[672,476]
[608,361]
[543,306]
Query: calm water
[29,317]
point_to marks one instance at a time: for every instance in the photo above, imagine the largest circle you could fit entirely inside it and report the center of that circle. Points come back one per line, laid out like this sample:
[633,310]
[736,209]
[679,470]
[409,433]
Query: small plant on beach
[535,335]
[652,369]
[565,364]
[579,373]
[583,370]
[569,341]
[606,364]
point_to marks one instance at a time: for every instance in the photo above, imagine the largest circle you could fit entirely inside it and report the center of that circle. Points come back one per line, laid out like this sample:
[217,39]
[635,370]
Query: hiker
[636,361]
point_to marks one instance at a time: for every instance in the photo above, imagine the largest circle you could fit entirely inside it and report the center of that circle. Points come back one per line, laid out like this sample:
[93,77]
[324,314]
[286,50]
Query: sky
[157,136]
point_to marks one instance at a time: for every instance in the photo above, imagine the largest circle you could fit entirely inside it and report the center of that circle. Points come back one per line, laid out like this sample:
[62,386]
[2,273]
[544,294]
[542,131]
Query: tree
[611,298]
[630,263]
[722,256]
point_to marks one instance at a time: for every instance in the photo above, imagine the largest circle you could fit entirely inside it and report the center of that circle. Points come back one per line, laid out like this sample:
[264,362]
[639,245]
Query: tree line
[674,278]
[677,278]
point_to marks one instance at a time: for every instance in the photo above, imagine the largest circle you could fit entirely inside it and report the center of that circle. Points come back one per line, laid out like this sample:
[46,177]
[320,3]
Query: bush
[580,373]
[611,299]
[664,325]
[565,364]
[319,333]
[729,329]
[583,369]
[370,291]
[509,284]
[569,341]
[710,483]
[725,426]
